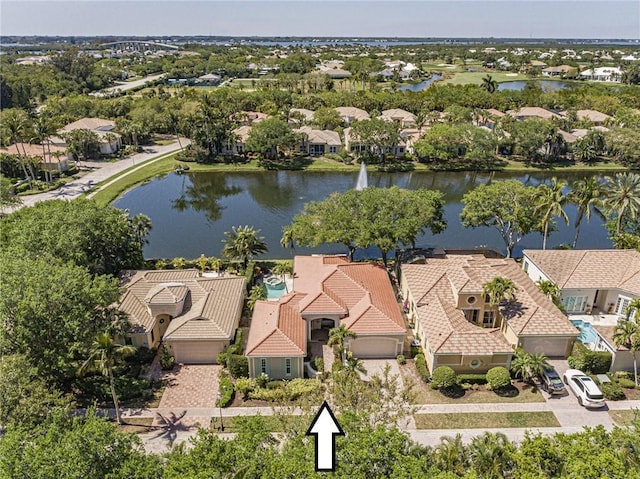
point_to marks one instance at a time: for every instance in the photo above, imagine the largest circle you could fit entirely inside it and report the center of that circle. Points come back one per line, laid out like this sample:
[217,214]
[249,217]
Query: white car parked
[587,392]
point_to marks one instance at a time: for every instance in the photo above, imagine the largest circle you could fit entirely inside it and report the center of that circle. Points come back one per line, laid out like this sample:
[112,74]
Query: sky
[328,18]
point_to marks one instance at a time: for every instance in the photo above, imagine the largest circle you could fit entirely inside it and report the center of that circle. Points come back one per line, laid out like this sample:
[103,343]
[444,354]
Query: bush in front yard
[421,366]
[498,378]
[590,362]
[475,378]
[246,386]
[401,359]
[226,392]
[238,365]
[612,391]
[626,383]
[443,377]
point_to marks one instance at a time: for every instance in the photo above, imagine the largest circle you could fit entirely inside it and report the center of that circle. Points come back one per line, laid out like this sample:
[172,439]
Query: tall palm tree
[491,455]
[499,289]
[550,201]
[587,195]
[353,365]
[103,356]
[622,197]
[451,455]
[527,366]
[489,84]
[287,240]
[243,243]
[16,123]
[338,337]
[551,290]
[140,226]
[627,333]
[43,128]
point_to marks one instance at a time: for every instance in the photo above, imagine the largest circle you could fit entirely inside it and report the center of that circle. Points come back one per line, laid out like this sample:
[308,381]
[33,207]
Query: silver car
[585,389]
[551,381]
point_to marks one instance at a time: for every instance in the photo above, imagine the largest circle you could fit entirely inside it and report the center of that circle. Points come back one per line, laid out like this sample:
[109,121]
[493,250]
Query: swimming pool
[587,333]
[275,287]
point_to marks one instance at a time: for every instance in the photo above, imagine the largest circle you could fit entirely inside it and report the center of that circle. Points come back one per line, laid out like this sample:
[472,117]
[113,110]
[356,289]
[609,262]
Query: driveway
[566,408]
[376,366]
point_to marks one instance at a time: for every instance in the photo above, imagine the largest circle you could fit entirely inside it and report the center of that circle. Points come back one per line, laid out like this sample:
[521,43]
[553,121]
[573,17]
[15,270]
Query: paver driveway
[191,386]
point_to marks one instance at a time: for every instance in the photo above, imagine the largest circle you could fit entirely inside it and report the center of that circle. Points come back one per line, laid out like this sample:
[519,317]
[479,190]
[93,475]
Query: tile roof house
[355,146]
[596,117]
[319,142]
[602,281]
[328,291]
[596,286]
[457,326]
[533,111]
[110,141]
[54,158]
[298,115]
[239,146]
[560,70]
[349,114]
[196,317]
[404,118]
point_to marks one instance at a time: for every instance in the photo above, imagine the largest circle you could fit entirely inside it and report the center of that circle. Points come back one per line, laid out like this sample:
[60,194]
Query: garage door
[375,347]
[196,352]
[547,346]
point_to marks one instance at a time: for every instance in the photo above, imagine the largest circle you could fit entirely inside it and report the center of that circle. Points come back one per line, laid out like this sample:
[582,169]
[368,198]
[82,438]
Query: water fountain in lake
[362,182]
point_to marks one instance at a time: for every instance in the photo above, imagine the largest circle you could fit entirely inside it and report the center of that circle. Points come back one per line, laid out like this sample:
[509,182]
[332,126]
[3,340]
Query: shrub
[443,377]
[472,378]
[238,365]
[421,366]
[415,350]
[623,374]
[167,361]
[275,384]
[279,391]
[262,380]
[590,362]
[336,366]
[246,386]
[612,391]
[142,356]
[401,359]
[318,364]
[498,378]
[626,383]
[226,392]
[221,358]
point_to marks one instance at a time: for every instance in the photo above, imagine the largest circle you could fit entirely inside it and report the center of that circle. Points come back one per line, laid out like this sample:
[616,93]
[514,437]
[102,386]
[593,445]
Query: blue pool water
[274,291]
[587,333]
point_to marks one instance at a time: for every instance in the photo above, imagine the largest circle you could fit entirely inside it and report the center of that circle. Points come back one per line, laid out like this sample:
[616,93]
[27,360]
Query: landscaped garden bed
[519,392]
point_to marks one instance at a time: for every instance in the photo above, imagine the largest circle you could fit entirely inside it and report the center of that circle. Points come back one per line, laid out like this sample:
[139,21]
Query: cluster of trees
[57,274]
[92,447]
[516,210]
[381,217]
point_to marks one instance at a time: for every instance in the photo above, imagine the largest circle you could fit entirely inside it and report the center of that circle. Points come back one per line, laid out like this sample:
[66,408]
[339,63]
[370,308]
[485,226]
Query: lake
[546,85]
[191,212]
[421,85]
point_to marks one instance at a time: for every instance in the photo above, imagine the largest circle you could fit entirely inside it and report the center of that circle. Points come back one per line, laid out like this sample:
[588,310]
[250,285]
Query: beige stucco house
[328,291]
[457,326]
[196,317]
[319,142]
[405,119]
[349,114]
[53,158]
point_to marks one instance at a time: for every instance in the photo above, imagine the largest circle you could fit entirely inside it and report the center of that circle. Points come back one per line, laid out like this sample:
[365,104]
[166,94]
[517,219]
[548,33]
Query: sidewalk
[103,172]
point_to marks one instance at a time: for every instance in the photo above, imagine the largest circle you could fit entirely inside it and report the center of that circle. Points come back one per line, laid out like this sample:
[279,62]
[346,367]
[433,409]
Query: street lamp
[219,398]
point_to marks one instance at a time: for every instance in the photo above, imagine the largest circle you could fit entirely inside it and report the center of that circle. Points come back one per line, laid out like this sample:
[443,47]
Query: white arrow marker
[325,428]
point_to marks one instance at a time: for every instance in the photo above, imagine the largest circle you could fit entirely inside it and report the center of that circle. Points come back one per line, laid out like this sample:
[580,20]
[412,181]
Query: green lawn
[624,417]
[485,420]
[475,78]
[272,423]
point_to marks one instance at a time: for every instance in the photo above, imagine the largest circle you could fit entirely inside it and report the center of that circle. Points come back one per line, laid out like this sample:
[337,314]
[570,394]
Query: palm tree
[491,455]
[451,455]
[353,365]
[551,290]
[140,226]
[499,289]
[338,337]
[42,129]
[257,293]
[627,333]
[103,356]
[489,84]
[622,197]
[551,200]
[282,269]
[527,366]
[243,243]
[586,194]
[287,240]
[16,123]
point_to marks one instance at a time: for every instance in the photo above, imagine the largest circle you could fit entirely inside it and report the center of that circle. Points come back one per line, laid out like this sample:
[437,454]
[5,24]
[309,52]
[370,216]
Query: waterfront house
[328,291]
[196,317]
[458,327]
[318,142]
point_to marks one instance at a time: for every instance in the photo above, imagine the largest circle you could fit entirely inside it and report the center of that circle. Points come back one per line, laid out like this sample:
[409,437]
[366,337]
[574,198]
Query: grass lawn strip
[486,420]
[623,417]
[272,423]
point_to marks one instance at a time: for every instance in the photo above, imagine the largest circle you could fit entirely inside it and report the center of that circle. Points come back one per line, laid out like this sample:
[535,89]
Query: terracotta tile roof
[211,310]
[352,112]
[359,292]
[327,137]
[434,285]
[590,269]
[592,115]
[36,150]
[277,329]
[398,114]
[536,111]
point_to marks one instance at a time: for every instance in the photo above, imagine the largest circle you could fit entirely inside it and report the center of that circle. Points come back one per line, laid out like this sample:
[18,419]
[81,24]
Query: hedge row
[226,392]
[590,362]
[421,366]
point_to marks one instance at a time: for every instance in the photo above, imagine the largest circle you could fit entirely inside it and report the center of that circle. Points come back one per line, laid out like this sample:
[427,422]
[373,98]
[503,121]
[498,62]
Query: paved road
[124,86]
[103,171]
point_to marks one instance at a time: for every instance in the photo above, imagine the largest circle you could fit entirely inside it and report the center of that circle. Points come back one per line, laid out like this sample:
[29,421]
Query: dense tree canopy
[380,217]
[101,239]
